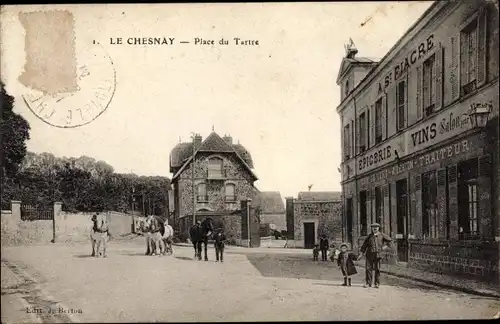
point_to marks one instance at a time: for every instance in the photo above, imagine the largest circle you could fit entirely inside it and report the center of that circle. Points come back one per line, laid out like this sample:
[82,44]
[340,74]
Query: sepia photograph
[244,162]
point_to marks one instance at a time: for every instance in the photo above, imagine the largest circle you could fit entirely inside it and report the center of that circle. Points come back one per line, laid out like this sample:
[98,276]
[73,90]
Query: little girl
[346,264]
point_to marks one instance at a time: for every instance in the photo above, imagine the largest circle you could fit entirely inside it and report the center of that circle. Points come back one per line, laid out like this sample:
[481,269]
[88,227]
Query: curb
[440,284]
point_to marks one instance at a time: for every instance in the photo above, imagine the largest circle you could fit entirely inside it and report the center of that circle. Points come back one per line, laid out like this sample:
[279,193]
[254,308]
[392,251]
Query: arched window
[215,167]
[347,88]
[230,192]
[202,193]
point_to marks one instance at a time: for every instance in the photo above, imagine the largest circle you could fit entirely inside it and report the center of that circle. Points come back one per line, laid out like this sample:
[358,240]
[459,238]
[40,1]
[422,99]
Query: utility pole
[193,136]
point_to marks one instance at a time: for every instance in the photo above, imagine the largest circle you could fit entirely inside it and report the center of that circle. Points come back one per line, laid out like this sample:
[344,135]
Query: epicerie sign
[379,156]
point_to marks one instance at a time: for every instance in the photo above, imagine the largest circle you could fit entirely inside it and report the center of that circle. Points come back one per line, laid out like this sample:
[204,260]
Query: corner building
[415,156]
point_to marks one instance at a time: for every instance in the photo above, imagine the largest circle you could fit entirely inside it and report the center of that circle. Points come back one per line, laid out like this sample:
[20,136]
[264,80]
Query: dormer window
[215,168]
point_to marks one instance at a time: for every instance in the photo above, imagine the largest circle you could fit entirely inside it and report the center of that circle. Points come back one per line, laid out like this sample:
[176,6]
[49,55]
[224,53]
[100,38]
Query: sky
[278,99]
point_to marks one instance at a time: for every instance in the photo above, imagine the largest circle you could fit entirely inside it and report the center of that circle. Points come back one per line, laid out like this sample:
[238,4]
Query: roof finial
[179,139]
[213,128]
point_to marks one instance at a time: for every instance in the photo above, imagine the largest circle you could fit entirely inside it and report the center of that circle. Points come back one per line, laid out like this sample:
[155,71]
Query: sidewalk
[469,286]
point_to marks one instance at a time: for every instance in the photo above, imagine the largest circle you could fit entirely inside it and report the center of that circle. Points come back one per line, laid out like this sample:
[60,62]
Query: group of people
[373,246]
[200,233]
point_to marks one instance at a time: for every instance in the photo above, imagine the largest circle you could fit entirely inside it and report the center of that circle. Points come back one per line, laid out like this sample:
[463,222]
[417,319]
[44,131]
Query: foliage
[84,184]
[14,130]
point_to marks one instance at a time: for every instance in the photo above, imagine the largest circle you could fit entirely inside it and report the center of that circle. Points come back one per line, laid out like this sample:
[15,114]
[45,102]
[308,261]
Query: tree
[15,132]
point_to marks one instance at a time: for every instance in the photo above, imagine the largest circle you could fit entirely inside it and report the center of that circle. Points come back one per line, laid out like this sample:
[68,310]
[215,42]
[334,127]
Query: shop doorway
[402,219]
[349,220]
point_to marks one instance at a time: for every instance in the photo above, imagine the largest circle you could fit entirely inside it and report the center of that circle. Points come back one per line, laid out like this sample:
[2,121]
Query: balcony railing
[202,198]
[216,174]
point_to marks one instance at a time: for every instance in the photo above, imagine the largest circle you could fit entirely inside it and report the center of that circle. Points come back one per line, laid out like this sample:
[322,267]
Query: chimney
[197,141]
[228,139]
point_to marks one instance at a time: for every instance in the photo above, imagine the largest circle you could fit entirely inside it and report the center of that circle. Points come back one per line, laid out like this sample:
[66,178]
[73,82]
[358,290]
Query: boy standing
[346,264]
[220,239]
[315,252]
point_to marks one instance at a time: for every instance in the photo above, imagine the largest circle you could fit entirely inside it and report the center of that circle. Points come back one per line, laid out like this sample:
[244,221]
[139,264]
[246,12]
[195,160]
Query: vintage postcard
[328,161]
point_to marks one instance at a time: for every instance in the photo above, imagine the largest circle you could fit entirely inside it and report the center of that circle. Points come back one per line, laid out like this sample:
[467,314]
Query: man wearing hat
[372,248]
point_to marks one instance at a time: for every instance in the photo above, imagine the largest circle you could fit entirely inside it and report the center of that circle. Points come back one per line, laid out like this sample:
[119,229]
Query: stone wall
[69,227]
[478,260]
[326,214]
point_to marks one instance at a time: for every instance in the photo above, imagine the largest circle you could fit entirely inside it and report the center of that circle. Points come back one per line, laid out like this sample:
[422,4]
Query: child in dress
[346,264]
[316,252]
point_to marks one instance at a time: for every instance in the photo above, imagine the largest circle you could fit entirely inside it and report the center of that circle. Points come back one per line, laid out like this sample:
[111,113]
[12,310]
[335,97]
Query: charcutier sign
[438,155]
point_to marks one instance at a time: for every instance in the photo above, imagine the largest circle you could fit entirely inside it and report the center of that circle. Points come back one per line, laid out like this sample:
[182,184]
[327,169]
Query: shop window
[363,215]
[468,216]
[429,205]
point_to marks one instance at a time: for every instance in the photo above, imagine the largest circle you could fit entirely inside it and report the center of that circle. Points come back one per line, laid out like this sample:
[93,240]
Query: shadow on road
[184,258]
[301,266]
[83,256]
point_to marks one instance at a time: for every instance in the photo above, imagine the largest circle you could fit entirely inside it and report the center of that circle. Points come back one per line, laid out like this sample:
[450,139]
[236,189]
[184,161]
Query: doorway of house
[349,220]
[309,235]
[402,219]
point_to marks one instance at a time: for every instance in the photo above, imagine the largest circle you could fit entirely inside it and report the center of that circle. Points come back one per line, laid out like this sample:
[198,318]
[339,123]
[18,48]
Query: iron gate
[32,213]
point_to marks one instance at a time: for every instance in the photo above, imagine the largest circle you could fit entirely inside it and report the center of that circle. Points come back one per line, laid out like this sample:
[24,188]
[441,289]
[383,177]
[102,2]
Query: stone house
[211,178]
[420,134]
[272,211]
[311,215]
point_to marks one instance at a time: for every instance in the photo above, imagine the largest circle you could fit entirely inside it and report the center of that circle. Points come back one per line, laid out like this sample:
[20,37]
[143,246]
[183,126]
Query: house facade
[311,215]
[420,137]
[212,177]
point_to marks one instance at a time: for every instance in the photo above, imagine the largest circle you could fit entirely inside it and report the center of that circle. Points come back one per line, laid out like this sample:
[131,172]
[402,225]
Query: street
[251,285]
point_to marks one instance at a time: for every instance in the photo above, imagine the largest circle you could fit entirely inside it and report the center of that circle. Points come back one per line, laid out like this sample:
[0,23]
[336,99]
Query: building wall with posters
[414,159]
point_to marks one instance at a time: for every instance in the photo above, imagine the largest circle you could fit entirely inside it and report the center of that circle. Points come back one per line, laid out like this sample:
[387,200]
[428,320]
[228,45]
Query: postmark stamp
[65,87]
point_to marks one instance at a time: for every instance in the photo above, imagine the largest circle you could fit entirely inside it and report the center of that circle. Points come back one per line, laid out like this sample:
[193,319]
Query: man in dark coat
[372,248]
[324,246]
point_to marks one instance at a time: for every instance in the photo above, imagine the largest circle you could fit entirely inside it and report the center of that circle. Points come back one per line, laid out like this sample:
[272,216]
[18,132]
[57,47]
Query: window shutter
[419,93]
[416,229]
[464,79]
[368,208]
[406,94]
[442,206]
[372,126]
[386,210]
[383,116]
[357,139]
[454,68]
[481,47]
[391,110]
[439,77]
